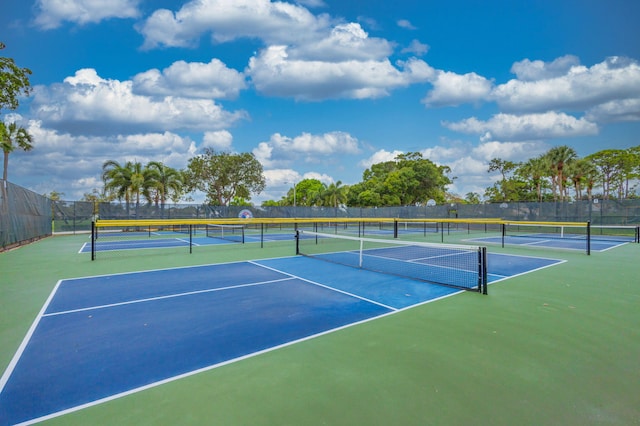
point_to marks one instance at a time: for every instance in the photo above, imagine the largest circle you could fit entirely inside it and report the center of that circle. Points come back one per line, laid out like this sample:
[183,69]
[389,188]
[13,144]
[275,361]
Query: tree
[14,81]
[334,195]
[578,173]
[409,179]
[224,176]
[535,170]
[128,181]
[507,188]
[560,157]
[472,198]
[304,193]
[11,138]
[167,183]
[608,164]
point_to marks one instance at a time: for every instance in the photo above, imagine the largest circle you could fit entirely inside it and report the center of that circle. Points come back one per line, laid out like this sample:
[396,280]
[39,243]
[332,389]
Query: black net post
[261,234]
[190,238]
[93,240]
[588,237]
[483,270]
[504,231]
[297,242]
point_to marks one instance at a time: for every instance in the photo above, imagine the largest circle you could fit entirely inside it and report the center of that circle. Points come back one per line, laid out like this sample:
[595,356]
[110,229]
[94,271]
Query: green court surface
[559,346]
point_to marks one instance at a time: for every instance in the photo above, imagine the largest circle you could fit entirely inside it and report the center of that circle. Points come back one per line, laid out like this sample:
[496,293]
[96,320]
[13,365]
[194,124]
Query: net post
[395,228]
[190,238]
[297,242]
[242,230]
[483,270]
[588,238]
[93,240]
[504,231]
[442,232]
[261,234]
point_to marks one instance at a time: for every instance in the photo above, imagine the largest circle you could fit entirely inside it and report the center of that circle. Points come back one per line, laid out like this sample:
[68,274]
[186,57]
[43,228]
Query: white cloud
[450,89]
[87,103]
[513,151]
[273,22]
[51,13]
[312,3]
[73,164]
[275,74]
[579,88]
[527,70]
[344,42]
[191,79]
[525,127]
[219,141]
[618,110]
[406,24]
[416,48]
[380,156]
[282,150]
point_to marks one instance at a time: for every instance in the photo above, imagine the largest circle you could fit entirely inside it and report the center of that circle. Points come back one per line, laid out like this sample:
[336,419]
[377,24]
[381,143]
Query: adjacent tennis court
[103,337]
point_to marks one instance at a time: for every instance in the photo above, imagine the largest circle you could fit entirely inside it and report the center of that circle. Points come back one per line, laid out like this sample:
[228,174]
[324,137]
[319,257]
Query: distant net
[559,230]
[458,266]
[233,233]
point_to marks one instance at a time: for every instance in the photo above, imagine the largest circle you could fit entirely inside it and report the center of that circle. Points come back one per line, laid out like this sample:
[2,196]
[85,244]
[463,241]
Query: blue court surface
[552,242]
[103,337]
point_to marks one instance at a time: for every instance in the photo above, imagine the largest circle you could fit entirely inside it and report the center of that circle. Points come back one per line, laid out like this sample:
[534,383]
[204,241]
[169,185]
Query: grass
[557,346]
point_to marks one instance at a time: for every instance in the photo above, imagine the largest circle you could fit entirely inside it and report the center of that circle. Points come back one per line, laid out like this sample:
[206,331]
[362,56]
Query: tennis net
[233,233]
[458,266]
[558,230]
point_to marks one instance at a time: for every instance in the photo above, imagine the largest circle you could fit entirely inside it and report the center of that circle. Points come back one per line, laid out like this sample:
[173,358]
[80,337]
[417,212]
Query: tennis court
[104,337]
[239,334]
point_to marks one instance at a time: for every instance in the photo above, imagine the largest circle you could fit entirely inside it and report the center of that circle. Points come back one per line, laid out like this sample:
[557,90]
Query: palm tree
[335,194]
[560,157]
[117,180]
[578,172]
[12,137]
[535,169]
[168,182]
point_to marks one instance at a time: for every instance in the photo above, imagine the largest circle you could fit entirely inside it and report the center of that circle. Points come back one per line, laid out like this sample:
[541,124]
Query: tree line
[560,175]
[409,179]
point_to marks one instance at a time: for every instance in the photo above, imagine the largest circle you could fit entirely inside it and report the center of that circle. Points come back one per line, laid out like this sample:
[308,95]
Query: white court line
[325,286]
[169,296]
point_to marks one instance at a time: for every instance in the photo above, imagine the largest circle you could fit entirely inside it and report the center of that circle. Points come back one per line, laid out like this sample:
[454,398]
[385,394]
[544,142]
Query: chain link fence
[76,216]
[24,216]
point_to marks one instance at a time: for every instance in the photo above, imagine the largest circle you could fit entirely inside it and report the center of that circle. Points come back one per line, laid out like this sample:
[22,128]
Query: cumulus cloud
[450,89]
[344,42]
[527,70]
[219,141]
[613,111]
[63,160]
[525,127]
[416,48]
[380,156]
[509,150]
[191,79]
[275,74]
[51,13]
[225,20]
[569,86]
[282,150]
[90,104]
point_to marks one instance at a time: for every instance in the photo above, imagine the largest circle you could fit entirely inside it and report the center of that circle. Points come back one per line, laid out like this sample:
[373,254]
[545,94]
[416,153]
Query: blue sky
[318,88]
